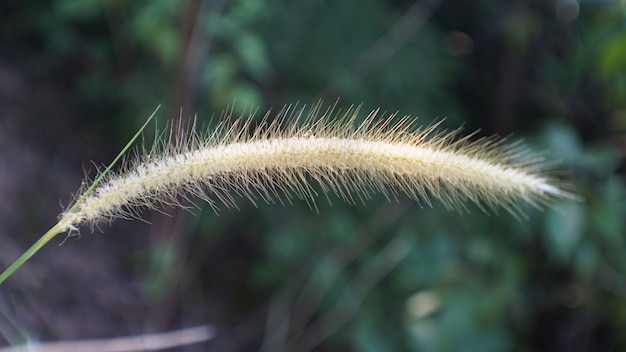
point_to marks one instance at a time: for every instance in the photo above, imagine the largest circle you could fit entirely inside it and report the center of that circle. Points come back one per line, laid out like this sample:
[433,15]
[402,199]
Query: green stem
[56,229]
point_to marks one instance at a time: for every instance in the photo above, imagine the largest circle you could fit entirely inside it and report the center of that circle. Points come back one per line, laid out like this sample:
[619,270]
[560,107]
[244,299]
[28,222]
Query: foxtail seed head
[287,157]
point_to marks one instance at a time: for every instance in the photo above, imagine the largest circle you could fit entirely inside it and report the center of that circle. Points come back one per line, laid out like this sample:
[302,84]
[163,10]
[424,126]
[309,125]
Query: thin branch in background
[284,319]
[387,45]
[147,342]
[348,305]
[403,30]
[167,232]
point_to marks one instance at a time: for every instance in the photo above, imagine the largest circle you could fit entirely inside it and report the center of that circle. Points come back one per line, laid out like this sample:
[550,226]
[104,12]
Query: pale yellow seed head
[299,155]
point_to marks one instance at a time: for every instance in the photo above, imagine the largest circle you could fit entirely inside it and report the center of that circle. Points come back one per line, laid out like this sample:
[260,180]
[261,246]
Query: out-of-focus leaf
[585,261]
[369,338]
[613,55]
[77,9]
[460,325]
[221,72]
[252,52]
[154,28]
[422,304]
[562,142]
[608,215]
[565,229]
[247,97]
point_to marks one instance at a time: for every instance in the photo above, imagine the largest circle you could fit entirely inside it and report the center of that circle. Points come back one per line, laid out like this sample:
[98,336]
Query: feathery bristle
[286,157]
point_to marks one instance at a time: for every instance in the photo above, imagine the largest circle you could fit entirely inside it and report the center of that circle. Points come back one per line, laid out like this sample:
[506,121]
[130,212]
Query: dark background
[77,78]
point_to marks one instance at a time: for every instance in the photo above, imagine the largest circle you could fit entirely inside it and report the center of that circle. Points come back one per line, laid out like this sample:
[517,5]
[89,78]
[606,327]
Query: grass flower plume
[300,154]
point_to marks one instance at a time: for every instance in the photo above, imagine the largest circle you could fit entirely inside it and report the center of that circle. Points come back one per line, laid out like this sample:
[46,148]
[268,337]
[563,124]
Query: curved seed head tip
[300,154]
[555,191]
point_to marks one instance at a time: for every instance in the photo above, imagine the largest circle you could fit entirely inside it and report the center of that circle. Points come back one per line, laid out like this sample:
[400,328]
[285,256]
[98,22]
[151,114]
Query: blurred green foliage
[380,276]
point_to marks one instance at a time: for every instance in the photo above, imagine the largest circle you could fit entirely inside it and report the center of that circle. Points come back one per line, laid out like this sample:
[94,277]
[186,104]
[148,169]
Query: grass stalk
[288,156]
[60,227]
